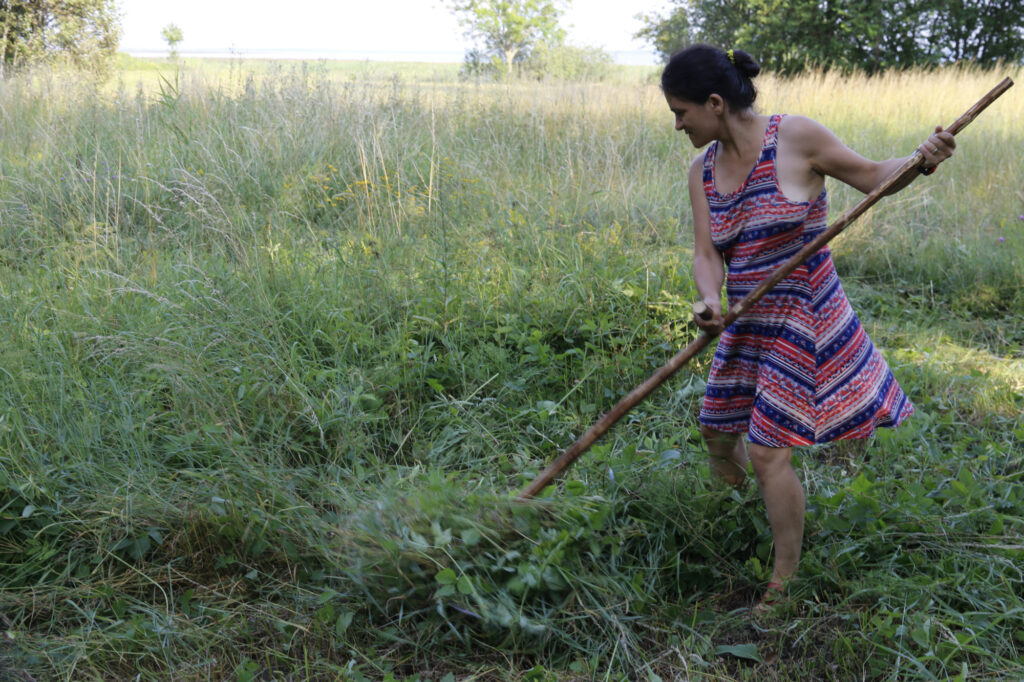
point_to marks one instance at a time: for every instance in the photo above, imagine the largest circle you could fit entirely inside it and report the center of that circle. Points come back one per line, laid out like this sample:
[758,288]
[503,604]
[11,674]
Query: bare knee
[767,461]
[727,457]
[710,435]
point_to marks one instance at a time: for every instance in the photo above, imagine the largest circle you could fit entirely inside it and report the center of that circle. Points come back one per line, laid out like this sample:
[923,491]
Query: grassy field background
[282,340]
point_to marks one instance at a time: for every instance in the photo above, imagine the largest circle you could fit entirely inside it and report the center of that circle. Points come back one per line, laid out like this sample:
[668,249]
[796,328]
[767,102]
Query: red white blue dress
[798,367]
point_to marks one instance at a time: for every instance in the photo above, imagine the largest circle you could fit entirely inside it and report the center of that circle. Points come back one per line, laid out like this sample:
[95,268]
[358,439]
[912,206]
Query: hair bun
[700,70]
[745,63]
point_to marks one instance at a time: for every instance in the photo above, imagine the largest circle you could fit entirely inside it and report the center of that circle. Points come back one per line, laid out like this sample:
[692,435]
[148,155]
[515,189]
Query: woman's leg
[727,456]
[784,501]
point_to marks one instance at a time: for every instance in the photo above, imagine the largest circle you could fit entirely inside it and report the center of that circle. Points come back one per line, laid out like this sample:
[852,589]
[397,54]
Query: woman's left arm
[827,155]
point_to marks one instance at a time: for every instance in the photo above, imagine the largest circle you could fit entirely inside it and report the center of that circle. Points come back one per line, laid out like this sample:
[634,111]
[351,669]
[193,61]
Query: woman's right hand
[712,323]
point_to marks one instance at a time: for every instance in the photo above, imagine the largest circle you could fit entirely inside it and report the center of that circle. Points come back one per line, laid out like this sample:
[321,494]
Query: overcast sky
[352,25]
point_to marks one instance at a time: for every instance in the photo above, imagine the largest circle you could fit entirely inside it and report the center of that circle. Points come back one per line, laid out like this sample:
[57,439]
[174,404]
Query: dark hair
[696,72]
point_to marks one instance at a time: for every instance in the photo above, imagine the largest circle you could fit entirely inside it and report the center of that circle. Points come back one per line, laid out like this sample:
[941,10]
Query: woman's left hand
[937,148]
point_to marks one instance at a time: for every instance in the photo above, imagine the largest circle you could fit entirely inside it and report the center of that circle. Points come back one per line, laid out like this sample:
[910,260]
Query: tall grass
[283,340]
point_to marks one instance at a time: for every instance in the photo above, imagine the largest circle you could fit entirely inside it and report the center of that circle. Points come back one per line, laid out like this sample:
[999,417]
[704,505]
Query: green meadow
[280,343]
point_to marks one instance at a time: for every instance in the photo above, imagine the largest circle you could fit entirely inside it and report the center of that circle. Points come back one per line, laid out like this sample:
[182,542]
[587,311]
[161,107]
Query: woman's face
[698,121]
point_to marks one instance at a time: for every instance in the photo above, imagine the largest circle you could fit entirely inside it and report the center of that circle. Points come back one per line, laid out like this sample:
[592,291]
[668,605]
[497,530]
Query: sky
[366,27]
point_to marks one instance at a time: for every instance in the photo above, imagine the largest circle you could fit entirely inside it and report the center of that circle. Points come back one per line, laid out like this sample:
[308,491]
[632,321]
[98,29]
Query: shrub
[569,62]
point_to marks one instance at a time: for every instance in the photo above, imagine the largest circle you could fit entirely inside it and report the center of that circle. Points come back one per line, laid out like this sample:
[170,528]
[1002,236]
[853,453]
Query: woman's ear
[716,104]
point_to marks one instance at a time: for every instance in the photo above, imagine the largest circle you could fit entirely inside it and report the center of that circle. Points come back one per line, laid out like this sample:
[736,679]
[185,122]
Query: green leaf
[861,484]
[344,620]
[747,651]
[138,548]
[446,577]
[465,585]
[470,536]
[246,670]
[671,455]
[575,488]
[325,614]
[442,536]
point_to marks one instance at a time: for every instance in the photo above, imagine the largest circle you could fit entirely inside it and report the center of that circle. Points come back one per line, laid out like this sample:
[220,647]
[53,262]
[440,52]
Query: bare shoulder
[804,133]
[695,185]
[695,176]
[818,147]
[697,166]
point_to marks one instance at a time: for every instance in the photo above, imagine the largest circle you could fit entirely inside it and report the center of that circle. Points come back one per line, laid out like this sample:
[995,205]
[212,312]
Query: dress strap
[708,176]
[771,134]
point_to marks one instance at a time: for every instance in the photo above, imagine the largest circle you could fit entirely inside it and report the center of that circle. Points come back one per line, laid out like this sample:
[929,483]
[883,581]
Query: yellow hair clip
[731,57]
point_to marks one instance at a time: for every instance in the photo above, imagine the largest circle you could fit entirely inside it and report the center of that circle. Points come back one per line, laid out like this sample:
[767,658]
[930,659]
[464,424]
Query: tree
[86,32]
[789,35]
[172,35]
[509,29]
[980,31]
[694,21]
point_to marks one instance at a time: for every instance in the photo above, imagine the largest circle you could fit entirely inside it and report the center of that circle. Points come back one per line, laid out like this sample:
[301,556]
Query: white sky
[352,25]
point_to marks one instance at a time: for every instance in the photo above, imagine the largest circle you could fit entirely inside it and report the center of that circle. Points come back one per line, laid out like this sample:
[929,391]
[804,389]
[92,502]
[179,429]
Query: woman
[797,368]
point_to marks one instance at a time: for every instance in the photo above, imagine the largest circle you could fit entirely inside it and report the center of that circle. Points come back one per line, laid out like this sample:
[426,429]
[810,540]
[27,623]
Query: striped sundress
[798,367]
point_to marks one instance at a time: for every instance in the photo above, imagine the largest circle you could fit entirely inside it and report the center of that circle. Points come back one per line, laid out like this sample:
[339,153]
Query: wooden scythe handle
[570,454]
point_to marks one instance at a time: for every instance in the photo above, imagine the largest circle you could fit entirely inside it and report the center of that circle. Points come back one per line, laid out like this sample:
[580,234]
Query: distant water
[632,57]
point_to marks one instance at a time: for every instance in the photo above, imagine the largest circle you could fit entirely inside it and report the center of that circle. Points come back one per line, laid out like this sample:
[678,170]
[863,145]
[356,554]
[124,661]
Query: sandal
[773,597]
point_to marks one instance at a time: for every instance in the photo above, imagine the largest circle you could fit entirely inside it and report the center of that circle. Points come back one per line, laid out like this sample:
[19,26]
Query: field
[281,342]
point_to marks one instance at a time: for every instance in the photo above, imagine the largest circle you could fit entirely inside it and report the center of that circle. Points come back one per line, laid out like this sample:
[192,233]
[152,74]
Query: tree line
[788,36]
[526,37]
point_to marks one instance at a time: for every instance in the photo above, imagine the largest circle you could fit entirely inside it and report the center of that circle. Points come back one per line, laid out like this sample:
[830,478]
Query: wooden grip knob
[701,310]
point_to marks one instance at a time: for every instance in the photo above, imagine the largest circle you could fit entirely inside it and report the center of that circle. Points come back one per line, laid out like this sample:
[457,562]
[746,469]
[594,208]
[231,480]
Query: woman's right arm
[708,267]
